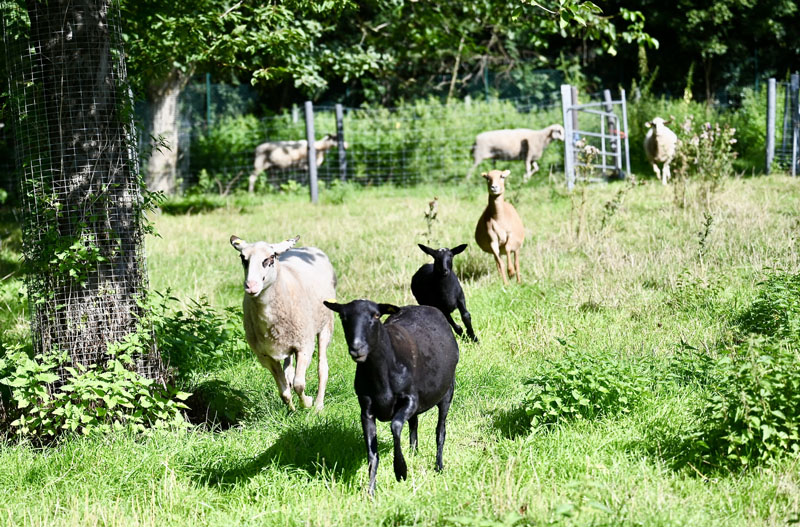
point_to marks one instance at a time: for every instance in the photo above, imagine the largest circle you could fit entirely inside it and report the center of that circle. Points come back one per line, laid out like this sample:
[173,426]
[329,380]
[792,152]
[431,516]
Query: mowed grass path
[636,287]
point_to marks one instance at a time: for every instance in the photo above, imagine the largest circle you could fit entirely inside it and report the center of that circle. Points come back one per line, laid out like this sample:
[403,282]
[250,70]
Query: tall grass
[641,286]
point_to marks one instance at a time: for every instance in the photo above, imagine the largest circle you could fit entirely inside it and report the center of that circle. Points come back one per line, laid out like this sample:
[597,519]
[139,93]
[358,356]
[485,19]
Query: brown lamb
[500,229]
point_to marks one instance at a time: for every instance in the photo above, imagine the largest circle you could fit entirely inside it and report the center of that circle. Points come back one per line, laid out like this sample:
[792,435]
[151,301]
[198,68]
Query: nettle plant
[98,398]
[582,385]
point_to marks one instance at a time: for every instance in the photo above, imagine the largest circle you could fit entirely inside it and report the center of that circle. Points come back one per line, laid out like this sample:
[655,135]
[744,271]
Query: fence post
[566,104]
[340,142]
[625,131]
[312,153]
[772,90]
[573,90]
[613,131]
[795,105]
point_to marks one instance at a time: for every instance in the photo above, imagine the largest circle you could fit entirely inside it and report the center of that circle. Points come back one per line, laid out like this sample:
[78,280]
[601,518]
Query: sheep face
[496,181]
[556,132]
[443,258]
[361,320]
[259,261]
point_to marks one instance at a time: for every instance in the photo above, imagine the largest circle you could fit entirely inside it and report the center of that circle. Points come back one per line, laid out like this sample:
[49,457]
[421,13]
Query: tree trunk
[82,230]
[163,130]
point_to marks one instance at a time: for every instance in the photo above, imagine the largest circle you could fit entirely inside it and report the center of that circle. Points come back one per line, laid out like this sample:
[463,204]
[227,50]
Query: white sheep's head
[556,132]
[658,122]
[259,260]
[496,181]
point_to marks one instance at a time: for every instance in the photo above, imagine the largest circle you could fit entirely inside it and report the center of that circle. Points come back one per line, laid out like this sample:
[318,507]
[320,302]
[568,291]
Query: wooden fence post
[312,153]
[795,108]
[566,104]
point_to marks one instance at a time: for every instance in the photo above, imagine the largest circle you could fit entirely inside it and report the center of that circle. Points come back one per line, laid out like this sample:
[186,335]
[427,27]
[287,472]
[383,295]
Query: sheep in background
[659,145]
[500,230]
[283,155]
[435,284]
[283,312]
[404,367]
[513,144]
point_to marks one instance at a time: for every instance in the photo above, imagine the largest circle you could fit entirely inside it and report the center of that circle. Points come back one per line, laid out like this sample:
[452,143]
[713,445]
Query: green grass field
[630,282]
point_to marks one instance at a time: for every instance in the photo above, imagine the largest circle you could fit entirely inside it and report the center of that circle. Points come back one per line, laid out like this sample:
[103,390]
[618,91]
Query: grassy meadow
[617,270]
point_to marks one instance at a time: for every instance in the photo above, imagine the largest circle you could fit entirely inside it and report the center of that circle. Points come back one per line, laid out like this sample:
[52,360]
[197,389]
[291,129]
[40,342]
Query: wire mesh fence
[425,141]
[75,151]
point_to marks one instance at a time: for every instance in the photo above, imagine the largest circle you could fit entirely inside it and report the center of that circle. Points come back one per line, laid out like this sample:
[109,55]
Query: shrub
[90,399]
[776,310]
[753,414]
[195,337]
[582,385]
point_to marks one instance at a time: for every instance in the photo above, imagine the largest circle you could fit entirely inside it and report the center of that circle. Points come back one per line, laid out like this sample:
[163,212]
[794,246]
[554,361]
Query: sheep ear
[333,306]
[280,248]
[427,250]
[388,309]
[648,124]
[485,175]
[238,243]
[505,173]
[458,249]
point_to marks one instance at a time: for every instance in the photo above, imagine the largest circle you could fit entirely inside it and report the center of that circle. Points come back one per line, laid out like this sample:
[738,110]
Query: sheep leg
[516,265]
[472,168]
[665,173]
[281,380]
[496,252]
[441,432]
[509,264]
[657,172]
[299,381]
[412,432]
[456,328]
[406,409]
[323,340]
[466,318]
[371,440]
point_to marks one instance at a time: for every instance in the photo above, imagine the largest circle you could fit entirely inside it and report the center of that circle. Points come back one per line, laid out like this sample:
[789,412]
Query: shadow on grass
[512,423]
[322,448]
[216,406]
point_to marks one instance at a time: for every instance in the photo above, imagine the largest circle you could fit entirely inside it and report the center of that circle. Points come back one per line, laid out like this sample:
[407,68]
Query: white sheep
[513,144]
[284,314]
[659,146]
[283,155]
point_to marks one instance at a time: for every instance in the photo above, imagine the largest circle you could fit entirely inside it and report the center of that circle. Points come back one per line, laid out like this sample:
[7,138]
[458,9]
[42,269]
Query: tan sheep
[518,143]
[659,145]
[500,229]
[283,155]
[283,312]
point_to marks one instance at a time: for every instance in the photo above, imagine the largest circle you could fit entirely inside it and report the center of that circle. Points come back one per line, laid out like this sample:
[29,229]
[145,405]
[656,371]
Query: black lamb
[435,284]
[405,367]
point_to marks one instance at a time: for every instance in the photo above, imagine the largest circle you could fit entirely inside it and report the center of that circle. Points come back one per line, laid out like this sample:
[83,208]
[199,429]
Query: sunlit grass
[638,287]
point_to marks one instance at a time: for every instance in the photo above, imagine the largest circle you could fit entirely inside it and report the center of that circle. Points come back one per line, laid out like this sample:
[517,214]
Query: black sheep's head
[443,258]
[361,320]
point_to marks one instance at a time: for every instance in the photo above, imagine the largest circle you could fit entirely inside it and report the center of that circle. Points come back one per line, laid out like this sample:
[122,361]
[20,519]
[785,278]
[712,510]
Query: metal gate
[594,143]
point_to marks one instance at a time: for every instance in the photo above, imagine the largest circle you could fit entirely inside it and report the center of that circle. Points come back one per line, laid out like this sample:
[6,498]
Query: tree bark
[163,130]
[83,231]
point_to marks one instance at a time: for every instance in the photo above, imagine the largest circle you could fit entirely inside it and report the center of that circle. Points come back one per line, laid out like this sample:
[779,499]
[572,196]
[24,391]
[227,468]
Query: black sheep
[435,284]
[405,367]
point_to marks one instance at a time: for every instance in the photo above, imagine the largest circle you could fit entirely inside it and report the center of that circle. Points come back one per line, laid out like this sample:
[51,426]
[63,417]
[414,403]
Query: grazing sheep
[283,155]
[435,284]
[405,367]
[283,312]
[500,230]
[659,145]
[519,143]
